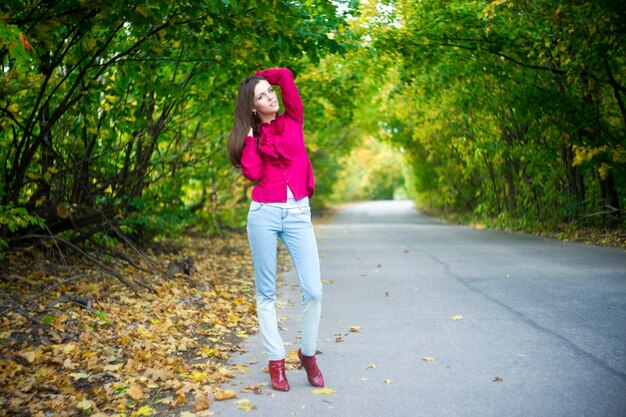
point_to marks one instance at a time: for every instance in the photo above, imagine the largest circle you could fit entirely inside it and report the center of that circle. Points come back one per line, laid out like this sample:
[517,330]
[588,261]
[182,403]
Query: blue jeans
[291,222]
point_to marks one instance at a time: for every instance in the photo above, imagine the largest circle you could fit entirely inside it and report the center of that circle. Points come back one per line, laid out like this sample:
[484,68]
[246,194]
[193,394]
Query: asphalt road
[451,321]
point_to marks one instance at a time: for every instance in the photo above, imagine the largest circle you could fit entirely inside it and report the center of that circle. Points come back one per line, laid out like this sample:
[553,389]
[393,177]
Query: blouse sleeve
[251,164]
[291,97]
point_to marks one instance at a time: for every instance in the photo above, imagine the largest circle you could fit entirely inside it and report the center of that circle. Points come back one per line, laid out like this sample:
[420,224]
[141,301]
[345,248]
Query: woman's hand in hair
[251,132]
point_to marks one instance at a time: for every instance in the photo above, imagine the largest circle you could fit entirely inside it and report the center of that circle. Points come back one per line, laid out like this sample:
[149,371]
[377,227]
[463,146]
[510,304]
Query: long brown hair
[244,119]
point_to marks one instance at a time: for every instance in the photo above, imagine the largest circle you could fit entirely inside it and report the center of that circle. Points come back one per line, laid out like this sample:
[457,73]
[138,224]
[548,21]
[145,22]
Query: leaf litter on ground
[130,353]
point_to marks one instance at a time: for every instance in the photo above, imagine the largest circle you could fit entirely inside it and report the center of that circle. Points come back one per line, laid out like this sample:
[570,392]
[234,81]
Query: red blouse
[280,159]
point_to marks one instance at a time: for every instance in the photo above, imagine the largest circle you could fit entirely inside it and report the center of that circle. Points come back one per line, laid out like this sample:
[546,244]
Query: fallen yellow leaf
[69,364]
[155,374]
[292,357]
[135,392]
[224,395]
[355,329]
[29,356]
[145,411]
[80,375]
[388,381]
[257,389]
[371,365]
[114,367]
[198,376]
[324,391]
[85,405]
[165,400]
[245,405]
[428,358]
[456,318]
[201,402]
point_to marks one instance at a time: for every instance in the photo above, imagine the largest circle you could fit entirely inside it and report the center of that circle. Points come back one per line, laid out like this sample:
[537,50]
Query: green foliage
[508,109]
[16,219]
[115,116]
[372,171]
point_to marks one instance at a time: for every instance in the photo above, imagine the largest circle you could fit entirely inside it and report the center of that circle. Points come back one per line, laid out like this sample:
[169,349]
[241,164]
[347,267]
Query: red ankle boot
[277,375]
[313,373]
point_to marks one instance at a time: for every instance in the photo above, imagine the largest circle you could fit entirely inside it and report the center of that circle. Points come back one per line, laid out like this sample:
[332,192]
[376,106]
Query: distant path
[540,325]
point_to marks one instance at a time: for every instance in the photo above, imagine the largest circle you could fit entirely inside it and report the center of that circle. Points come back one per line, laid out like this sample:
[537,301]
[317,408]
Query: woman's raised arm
[289,92]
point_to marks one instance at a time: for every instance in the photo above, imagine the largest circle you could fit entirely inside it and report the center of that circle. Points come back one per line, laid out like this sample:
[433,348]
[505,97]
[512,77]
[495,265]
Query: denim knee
[312,296]
[265,296]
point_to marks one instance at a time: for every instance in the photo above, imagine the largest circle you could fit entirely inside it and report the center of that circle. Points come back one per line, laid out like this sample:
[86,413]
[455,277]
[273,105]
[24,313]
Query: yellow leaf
[85,405]
[428,358]
[355,329]
[114,367]
[324,391]
[456,318]
[145,411]
[155,374]
[388,381]
[198,376]
[69,364]
[224,395]
[166,400]
[292,357]
[245,405]
[135,392]
[201,402]
[80,375]
[371,366]
[29,356]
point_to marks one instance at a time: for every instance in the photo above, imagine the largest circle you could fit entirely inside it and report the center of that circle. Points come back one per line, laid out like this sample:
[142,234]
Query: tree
[509,108]
[114,118]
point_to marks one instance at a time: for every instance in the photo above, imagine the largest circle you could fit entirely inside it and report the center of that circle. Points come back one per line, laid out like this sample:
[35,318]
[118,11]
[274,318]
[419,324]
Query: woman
[269,148]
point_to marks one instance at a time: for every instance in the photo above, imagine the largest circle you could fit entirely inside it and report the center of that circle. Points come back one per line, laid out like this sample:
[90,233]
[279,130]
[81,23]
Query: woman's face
[265,100]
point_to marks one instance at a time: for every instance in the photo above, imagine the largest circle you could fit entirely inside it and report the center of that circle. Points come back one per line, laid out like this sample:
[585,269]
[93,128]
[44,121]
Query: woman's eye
[271,90]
